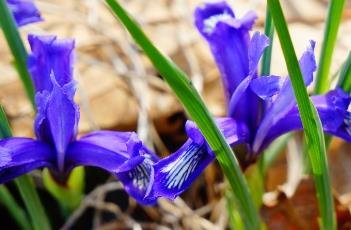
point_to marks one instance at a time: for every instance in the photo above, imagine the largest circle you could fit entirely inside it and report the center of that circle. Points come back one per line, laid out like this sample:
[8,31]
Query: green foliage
[329,39]
[312,125]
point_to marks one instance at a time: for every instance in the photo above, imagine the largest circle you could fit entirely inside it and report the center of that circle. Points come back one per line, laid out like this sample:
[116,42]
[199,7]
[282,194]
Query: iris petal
[24,11]
[176,173]
[19,156]
[120,153]
[285,100]
[50,56]
[62,115]
[267,86]
[228,39]
[332,110]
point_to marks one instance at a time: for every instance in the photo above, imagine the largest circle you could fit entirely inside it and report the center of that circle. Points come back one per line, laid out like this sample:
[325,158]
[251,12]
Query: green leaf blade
[329,40]
[310,121]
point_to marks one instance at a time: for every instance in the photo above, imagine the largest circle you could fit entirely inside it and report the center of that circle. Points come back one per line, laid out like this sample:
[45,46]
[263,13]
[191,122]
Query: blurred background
[118,89]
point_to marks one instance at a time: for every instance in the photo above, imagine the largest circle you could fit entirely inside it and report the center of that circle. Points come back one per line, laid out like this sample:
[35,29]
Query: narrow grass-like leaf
[16,211]
[329,39]
[26,187]
[267,55]
[345,75]
[310,121]
[197,110]
[18,50]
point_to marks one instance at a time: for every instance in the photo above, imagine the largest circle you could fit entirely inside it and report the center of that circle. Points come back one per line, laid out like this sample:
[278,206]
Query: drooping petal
[332,110]
[19,156]
[139,180]
[24,11]
[285,99]
[175,173]
[228,38]
[120,153]
[50,56]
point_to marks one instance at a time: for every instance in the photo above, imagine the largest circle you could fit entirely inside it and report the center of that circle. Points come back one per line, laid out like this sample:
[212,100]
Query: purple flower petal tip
[24,11]
[50,56]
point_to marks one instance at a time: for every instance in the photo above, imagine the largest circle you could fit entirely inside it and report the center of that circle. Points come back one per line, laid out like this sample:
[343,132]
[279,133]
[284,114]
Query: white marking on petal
[211,22]
[181,169]
[141,175]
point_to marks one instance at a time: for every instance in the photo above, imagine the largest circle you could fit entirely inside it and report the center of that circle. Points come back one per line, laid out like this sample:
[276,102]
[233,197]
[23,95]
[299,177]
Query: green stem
[329,39]
[18,50]
[16,211]
[26,187]
[311,122]
[197,110]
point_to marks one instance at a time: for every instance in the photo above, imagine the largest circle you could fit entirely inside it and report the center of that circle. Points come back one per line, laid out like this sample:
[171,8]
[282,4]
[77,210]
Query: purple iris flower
[260,109]
[56,146]
[24,11]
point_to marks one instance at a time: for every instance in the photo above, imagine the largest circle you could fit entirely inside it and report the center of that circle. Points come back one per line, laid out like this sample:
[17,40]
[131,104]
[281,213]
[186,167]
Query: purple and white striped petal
[175,173]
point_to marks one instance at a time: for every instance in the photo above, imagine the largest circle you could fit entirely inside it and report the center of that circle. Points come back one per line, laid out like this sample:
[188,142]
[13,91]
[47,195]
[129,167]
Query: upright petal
[50,56]
[258,44]
[332,110]
[285,99]
[19,156]
[175,173]
[24,11]
[266,87]
[228,38]
[62,116]
[51,66]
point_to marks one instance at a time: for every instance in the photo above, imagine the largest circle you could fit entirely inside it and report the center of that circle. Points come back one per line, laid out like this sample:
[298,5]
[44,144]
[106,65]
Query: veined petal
[285,100]
[138,177]
[120,153]
[332,110]
[176,172]
[24,11]
[19,156]
[228,39]
[50,56]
